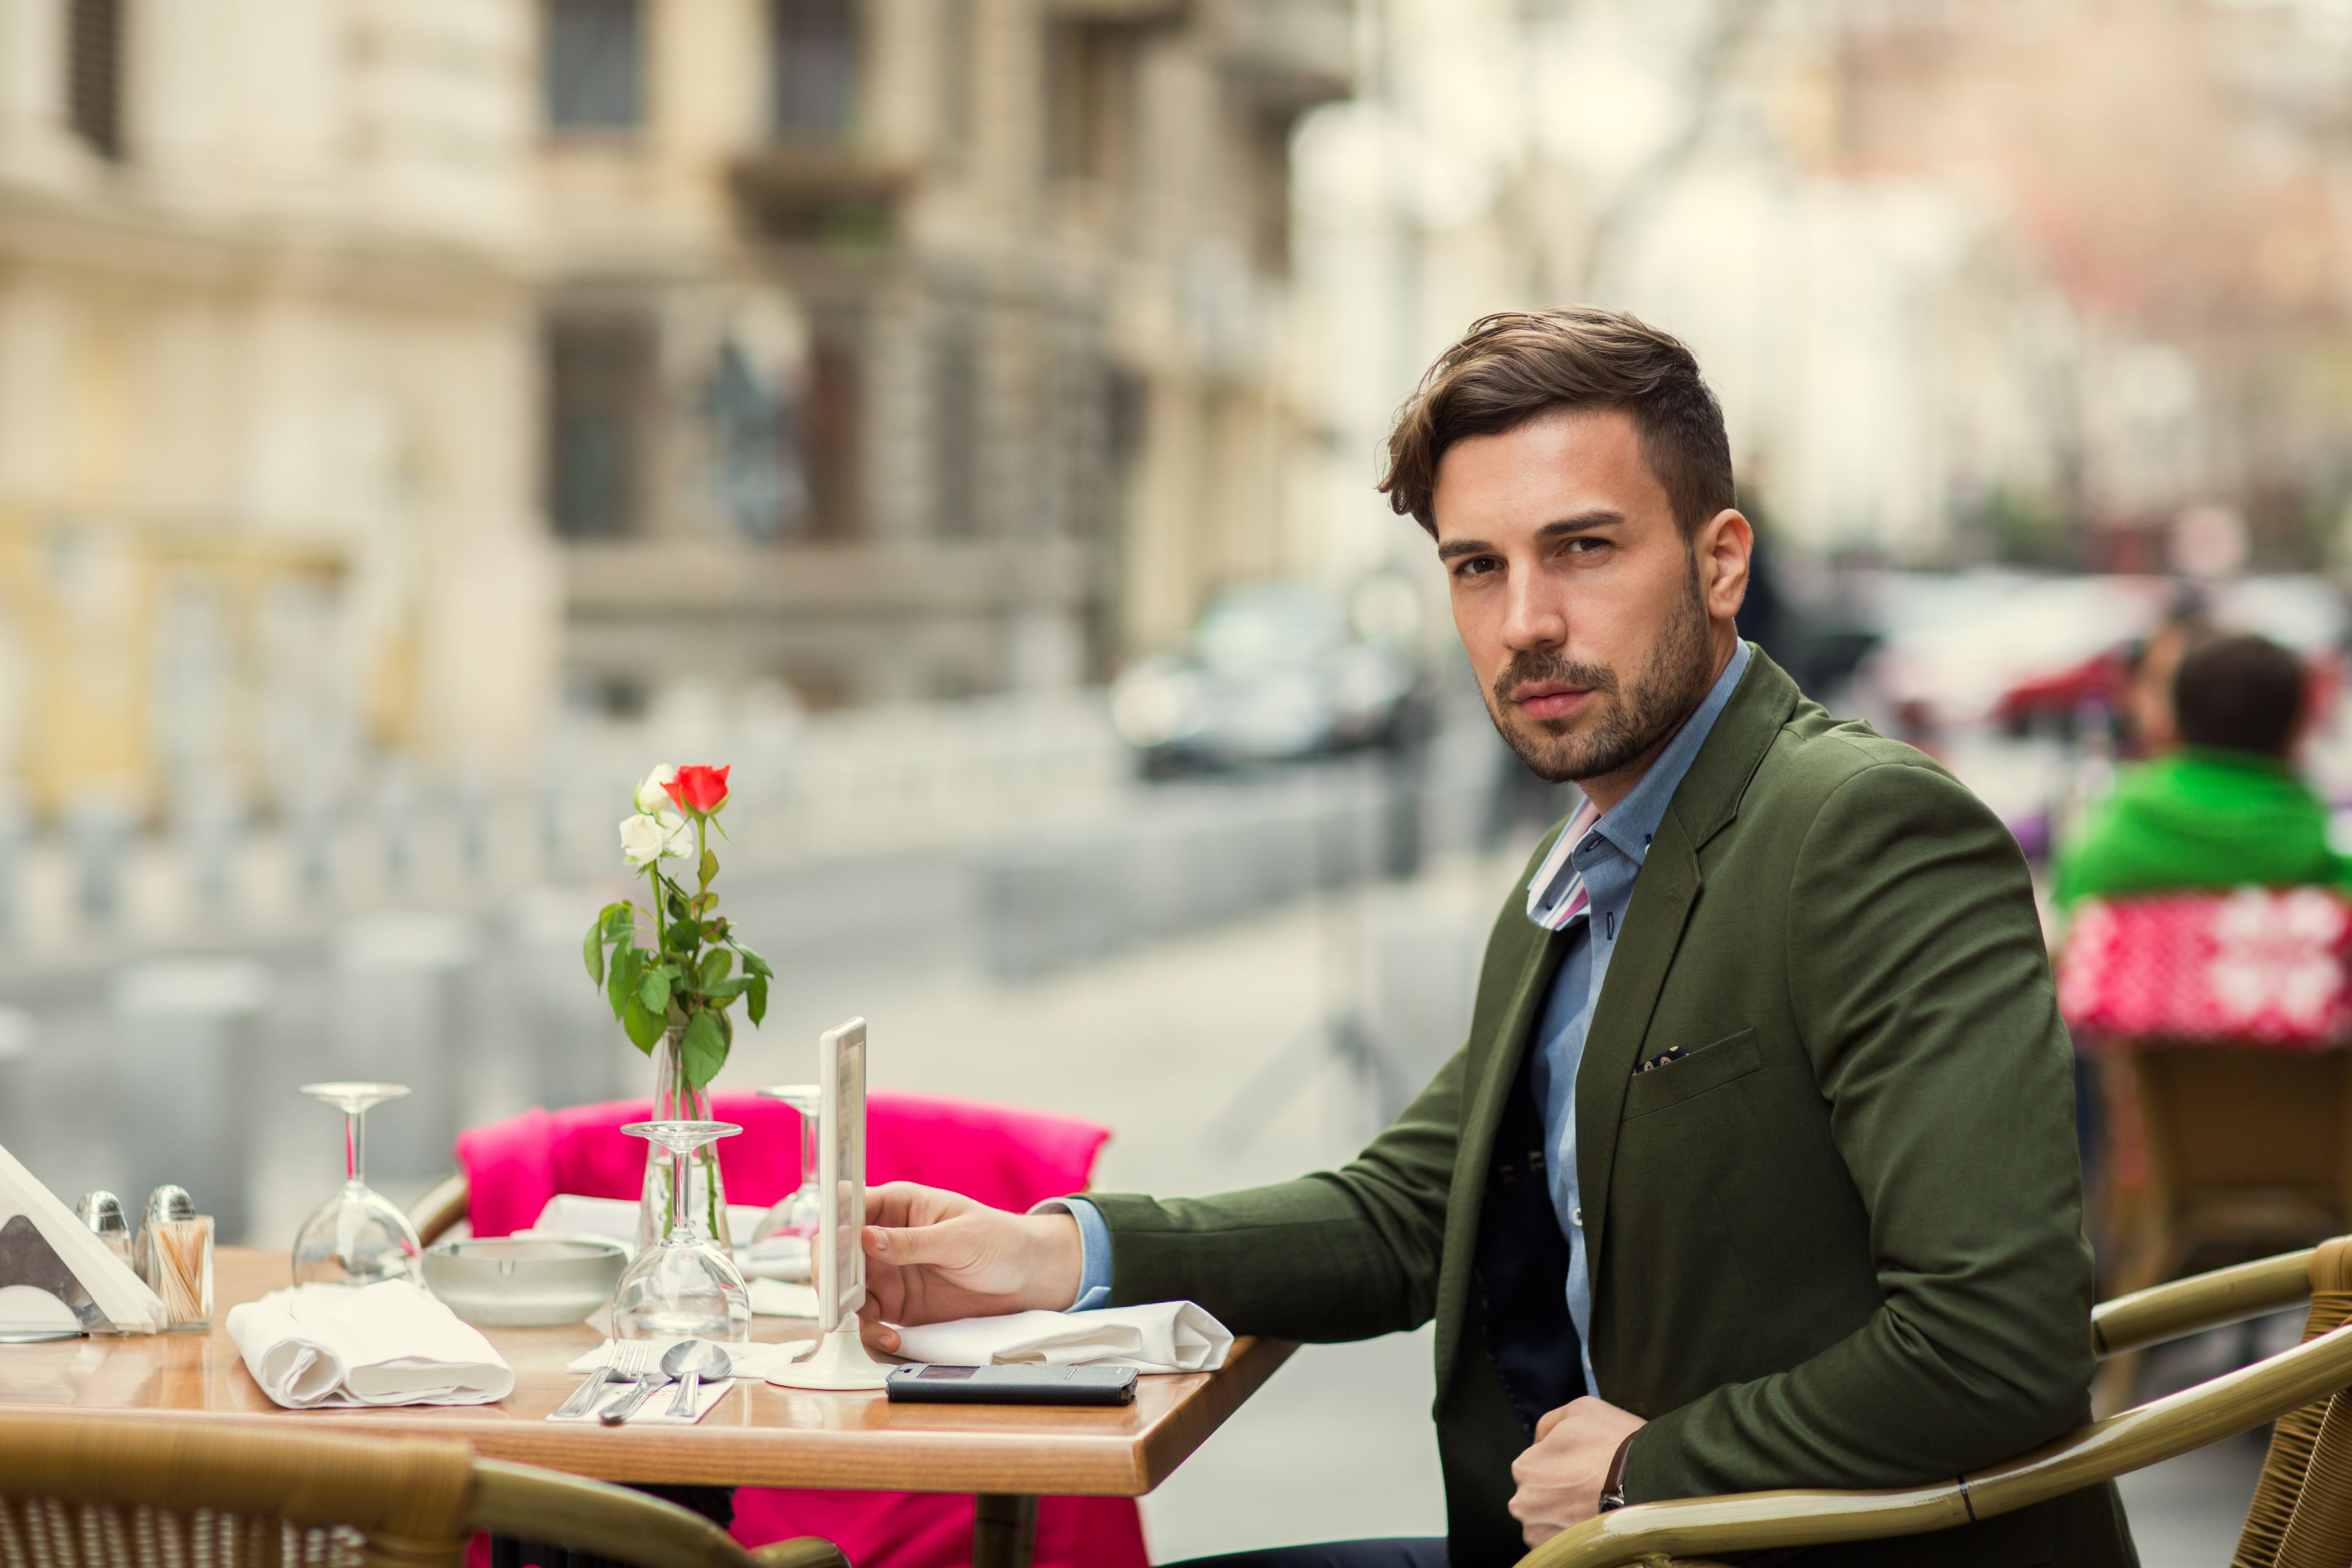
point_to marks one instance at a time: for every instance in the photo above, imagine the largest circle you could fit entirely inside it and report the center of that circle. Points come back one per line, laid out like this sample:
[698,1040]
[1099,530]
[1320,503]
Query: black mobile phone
[926,1385]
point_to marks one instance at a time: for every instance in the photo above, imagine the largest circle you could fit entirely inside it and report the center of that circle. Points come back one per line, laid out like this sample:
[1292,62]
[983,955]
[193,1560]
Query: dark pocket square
[1661,1060]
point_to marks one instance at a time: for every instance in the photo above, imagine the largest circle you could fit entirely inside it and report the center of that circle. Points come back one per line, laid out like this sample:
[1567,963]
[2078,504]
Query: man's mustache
[1531,665]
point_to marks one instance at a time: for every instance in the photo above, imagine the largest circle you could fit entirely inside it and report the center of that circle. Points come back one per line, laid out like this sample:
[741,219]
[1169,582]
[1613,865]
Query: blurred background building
[918,348]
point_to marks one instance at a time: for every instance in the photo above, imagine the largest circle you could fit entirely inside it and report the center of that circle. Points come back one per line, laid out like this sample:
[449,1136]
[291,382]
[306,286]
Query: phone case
[929,1384]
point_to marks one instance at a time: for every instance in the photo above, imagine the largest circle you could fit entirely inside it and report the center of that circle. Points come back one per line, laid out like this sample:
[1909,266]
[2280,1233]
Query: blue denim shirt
[1609,855]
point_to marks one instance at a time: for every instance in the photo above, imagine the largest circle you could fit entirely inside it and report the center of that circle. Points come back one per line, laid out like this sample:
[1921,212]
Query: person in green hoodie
[2227,809]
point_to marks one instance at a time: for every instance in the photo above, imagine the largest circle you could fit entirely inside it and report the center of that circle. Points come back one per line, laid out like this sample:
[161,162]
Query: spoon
[691,1362]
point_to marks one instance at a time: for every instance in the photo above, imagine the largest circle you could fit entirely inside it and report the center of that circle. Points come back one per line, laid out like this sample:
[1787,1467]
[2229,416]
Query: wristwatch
[1613,1485]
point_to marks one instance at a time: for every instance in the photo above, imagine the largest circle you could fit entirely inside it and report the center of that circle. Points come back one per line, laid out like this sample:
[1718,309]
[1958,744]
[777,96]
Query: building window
[829,427]
[812,68]
[601,397]
[955,423]
[594,61]
[94,74]
[1090,108]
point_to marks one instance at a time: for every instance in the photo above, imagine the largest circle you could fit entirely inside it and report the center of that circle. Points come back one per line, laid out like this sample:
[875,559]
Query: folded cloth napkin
[782,1298]
[572,1217]
[751,1360]
[1164,1336]
[655,1411]
[377,1344]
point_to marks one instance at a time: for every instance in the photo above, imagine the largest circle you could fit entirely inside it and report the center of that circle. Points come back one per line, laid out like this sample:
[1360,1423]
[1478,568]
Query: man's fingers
[914,1245]
[880,1337]
[1550,1419]
[899,1204]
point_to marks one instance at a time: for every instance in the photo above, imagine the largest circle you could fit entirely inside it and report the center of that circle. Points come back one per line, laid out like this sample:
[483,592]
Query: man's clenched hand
[932,1256]
[1559,1477]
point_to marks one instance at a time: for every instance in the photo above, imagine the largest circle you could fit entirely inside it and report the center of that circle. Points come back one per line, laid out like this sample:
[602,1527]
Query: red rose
[698,790]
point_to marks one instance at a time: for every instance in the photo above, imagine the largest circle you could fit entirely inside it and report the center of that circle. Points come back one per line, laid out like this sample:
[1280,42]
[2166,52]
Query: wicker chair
[137,1492]
[2301,1512]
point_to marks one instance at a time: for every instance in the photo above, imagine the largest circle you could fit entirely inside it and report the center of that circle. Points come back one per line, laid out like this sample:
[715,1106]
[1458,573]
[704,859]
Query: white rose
[655,835]
[653,796]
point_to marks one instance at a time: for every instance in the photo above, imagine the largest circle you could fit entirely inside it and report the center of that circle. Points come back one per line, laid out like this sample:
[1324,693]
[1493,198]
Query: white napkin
[1164,1336]
[569,1217]
[122,1295]
[782,1298]
[655,1411]
[581,1219]
[378,1344]
[751,1360]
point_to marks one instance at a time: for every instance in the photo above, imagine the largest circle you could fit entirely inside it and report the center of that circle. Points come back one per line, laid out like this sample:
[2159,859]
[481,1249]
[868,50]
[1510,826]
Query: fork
[630,1359]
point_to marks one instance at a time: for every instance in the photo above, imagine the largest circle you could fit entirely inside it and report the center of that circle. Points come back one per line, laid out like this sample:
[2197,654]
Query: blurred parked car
[1276,672]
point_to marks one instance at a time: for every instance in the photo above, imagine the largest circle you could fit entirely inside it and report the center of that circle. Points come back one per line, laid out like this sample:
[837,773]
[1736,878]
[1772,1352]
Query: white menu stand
[838,1262]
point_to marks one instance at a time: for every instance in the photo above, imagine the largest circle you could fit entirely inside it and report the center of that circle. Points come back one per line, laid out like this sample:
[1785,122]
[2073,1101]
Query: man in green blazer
[1757,1167]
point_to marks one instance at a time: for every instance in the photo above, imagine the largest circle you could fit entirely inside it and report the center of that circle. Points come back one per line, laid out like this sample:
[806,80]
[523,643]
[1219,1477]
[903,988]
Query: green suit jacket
[1837,1245]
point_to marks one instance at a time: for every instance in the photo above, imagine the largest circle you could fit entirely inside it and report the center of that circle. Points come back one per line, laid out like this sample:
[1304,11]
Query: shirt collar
[1635,822]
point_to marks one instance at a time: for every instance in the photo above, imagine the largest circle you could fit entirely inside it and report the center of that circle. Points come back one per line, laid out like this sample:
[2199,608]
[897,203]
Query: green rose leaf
[644,1027]
[591,952]
[754,965]
[677,906]
[654,990]
[710,866]
[715,966]
[628,973]
[704,1049]
[618,918]
[756,988]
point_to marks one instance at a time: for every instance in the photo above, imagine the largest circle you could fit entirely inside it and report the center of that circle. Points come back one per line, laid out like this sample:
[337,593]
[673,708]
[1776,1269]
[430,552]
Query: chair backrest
[2302,1513]
[1004,1157]
[2253,966]
[93,1491]
[2258,1139]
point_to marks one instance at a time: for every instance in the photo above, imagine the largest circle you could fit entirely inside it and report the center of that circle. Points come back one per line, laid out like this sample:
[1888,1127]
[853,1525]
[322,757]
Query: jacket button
[1576,1217]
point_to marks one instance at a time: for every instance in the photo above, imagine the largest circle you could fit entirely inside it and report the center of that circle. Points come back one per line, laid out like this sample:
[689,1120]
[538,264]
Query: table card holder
[839,1264]
[57,1278]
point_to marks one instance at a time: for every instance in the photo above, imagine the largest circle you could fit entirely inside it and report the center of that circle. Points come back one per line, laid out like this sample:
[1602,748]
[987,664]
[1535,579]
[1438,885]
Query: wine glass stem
[355,1146]
[681,1228]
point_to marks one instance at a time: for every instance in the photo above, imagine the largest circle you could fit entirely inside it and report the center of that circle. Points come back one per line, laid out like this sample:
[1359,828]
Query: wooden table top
[758,1436]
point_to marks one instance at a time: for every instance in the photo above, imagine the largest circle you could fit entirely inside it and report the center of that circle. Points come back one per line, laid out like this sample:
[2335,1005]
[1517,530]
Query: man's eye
[1583,546]
[1476,566]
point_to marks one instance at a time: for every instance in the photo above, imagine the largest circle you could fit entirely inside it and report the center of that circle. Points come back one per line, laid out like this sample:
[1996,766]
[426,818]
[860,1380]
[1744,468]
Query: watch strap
[1613,1485]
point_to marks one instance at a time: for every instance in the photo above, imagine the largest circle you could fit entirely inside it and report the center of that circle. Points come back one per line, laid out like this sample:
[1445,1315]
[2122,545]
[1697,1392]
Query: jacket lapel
[1703,804]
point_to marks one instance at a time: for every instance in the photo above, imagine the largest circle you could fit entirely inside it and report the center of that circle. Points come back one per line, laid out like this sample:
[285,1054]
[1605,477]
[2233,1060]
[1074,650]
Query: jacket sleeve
[1339,1255]
[1922,993]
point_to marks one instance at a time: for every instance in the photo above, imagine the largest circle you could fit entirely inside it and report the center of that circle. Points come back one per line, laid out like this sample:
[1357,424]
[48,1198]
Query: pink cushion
[1007,1158]
[2254,967]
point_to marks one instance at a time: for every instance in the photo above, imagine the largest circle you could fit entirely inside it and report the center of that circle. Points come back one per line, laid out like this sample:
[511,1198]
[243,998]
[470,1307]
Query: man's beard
[1613,726]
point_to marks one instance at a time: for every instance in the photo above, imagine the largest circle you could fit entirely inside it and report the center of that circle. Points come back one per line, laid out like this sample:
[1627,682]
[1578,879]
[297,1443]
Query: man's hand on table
[1560,1477]
[933,1256]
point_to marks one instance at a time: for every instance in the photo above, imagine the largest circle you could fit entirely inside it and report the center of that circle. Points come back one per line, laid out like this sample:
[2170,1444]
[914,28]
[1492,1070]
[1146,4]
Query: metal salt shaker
[102,1212]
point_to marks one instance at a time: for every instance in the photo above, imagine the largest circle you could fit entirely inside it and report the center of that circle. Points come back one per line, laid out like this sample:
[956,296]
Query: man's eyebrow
[1453,549]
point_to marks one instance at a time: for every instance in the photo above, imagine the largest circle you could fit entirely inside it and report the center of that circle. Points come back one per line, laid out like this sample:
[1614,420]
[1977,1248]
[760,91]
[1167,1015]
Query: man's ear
[1721,551]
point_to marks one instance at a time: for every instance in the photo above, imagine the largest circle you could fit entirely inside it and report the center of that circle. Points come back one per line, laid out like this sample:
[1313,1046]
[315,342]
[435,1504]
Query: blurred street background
[420,417]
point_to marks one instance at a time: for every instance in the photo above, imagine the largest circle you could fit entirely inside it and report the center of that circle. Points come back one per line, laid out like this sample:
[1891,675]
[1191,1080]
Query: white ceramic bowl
[521,1282]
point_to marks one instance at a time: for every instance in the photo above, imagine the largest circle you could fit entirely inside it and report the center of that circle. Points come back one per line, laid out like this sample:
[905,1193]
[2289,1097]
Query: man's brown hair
[1518,365]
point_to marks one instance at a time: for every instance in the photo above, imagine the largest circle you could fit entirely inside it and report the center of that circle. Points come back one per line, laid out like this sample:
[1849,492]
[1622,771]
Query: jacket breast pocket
[1710,1067]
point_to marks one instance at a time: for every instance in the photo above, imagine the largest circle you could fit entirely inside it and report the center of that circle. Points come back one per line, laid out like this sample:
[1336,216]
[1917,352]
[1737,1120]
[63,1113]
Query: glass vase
[677,1099]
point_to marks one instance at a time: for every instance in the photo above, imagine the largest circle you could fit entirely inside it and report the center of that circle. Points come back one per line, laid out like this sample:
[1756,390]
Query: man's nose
[1533,618]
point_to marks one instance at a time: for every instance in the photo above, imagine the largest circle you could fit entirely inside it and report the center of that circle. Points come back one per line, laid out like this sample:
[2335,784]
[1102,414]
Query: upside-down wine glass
[786,1238]
[359,1237]
[684,1288]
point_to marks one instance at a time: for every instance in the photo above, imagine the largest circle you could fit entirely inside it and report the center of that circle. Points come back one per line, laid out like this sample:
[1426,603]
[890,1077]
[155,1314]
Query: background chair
[1000,1155]
[96,1491]
[2301,1512]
